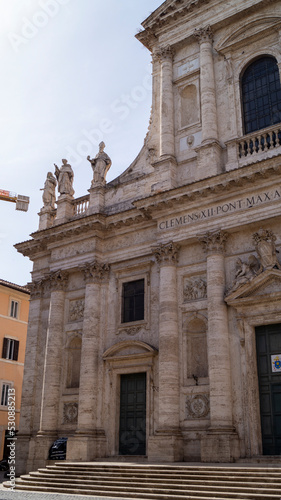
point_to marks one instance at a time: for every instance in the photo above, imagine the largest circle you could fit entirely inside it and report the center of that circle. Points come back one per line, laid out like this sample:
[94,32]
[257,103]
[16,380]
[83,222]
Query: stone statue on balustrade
[65,176]
[100,165]
[49,191]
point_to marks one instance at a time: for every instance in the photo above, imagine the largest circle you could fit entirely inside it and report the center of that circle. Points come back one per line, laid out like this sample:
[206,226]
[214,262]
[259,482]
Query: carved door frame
[255,305]
[118,363]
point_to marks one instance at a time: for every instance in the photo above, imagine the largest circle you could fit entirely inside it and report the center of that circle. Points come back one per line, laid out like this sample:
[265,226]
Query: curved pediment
[129,348]
[263,288]
[240,35]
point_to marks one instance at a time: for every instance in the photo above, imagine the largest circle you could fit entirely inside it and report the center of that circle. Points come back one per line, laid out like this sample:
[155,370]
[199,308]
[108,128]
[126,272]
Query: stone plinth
[46,218]
[65,210]
[165,447]
[96,204]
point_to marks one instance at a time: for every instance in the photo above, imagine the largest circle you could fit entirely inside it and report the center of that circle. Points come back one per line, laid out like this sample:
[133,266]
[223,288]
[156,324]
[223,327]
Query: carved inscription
[220,210]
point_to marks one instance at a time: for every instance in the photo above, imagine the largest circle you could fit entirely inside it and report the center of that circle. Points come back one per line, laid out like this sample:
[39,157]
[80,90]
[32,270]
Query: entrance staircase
[159,482]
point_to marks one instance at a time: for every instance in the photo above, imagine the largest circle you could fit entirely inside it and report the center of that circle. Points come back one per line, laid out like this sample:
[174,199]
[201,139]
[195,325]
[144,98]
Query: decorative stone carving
[197,406]
[166,252]
[70,413]
[36,289]
[76,310]
[132,330]
[266,250]
[100,165]
[65,176]
[56,280]
[94,271]
[213,241]
[49,191]
[265,246]
[246,271]
[194,289]
[203,34]
[164,53]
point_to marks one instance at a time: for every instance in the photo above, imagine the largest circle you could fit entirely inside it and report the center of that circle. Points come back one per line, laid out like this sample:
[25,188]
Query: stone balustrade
[80,205]
[253,147]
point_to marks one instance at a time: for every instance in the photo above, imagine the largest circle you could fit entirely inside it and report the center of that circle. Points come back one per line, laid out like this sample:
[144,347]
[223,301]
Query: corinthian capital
[203,34]
[164,53]
[166,252]
[213,241]
[36,289]
[56,280]
[95,272]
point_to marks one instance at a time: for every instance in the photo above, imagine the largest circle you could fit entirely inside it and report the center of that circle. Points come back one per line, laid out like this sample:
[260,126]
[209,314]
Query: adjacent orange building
[14,307]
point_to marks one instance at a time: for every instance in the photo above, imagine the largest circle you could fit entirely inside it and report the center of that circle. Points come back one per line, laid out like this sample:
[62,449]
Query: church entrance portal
[268,341]
[132,431]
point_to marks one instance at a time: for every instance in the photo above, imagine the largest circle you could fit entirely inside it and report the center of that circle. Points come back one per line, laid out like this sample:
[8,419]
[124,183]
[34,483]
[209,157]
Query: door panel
[268,342]
[132,433]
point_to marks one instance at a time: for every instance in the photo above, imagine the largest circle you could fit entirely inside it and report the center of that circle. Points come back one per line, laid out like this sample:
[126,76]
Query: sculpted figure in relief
[195,289]
[65,177]
[100,165]
[49,191]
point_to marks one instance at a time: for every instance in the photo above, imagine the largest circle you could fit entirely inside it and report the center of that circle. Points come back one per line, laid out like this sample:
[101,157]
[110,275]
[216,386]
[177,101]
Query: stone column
[167,444]
[167,135]
[89,441]
[57,281]
[220,444]
[29,381]
[209,151]
[166,165]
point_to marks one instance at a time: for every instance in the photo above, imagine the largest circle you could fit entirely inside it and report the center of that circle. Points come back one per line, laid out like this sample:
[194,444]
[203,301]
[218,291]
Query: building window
[14,309]
[10,349]
[5,393]
[261,95]
[133,301]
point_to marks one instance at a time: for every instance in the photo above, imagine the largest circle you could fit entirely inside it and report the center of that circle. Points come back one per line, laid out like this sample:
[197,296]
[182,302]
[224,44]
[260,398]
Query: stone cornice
[75,227]
[219,184]
[226,182]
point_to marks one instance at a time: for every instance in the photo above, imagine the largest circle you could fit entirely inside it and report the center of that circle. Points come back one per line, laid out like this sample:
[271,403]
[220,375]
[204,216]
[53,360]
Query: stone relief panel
[76,310]
[131,330]
[194,288]
[70,413]
[197,406]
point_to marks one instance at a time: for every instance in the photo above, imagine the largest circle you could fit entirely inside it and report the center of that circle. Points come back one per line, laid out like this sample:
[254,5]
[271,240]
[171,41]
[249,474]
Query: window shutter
[5,346]
[16,350]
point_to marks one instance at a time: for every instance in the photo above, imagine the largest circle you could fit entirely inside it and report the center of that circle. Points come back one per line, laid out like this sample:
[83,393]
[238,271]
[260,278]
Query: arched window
[261,94]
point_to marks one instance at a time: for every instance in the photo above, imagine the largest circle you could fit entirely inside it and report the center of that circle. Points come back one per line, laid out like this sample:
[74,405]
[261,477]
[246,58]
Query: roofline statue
[100,165]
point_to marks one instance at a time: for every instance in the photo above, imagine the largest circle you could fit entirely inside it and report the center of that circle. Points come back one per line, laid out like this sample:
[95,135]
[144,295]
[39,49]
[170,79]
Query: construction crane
[21,201]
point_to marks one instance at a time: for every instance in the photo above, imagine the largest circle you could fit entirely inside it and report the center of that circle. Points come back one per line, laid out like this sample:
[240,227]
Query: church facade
[155,313]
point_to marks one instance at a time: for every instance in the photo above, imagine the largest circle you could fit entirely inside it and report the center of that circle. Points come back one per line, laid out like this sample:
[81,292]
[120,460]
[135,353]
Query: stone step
[159,482]
[166,471]
[141,486]
[151,494]
[217,480]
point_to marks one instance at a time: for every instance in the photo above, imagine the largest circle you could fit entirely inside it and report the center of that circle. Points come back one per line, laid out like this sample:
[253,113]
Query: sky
[72,74]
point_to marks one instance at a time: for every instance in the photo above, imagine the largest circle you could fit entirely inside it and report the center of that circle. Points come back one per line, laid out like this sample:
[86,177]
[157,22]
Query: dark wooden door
[268,341]
[132,433]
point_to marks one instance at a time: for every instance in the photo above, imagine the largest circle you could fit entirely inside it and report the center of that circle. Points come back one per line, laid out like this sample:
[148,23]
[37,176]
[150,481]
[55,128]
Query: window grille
[133,301]
[261,95]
